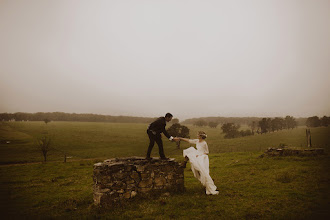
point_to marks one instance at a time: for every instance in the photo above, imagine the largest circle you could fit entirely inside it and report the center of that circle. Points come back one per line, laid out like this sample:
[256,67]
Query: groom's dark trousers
[154,132]
[158,139]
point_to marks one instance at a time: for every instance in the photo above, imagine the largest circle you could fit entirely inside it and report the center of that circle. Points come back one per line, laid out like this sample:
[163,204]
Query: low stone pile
[293,152]
[124,178]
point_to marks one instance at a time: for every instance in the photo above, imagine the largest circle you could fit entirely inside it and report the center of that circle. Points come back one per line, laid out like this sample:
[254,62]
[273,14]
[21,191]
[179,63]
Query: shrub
[232,134]
[213,124]
[200,123]
[246,133]
[230,130]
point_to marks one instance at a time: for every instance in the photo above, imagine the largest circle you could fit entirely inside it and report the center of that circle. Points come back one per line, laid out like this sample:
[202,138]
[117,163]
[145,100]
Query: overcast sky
[146,58]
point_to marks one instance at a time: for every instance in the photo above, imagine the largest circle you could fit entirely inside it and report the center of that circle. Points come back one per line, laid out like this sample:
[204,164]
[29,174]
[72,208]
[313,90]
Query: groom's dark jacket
[158,127]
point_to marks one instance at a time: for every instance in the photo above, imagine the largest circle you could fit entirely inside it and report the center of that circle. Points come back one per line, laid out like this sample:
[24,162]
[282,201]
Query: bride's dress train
[200,168]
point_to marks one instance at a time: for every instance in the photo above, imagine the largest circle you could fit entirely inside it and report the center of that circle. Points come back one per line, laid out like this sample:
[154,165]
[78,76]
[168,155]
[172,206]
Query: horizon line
[164,114]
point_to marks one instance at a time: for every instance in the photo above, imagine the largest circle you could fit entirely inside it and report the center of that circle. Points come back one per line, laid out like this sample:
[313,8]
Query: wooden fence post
[309,138]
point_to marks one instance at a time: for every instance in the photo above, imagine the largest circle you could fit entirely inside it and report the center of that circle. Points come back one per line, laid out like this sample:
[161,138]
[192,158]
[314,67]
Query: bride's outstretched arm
[184,139]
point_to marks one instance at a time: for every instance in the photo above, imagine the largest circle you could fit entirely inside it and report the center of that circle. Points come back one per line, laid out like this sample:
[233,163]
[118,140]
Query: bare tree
[43,144]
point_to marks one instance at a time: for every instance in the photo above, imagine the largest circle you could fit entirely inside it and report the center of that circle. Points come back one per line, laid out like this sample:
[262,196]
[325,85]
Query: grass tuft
[284,177]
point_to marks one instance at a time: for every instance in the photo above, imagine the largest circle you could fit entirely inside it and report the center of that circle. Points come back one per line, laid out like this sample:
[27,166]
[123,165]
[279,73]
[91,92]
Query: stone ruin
[121,179]
[293,152]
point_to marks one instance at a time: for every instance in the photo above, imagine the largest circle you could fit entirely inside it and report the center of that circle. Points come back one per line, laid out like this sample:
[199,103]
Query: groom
[154,132]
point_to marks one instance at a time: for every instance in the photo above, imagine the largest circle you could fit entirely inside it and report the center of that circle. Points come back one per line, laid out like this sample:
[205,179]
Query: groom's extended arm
[167,134]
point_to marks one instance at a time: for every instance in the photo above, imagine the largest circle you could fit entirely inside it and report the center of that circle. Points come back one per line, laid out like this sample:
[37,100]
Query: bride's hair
[202,134]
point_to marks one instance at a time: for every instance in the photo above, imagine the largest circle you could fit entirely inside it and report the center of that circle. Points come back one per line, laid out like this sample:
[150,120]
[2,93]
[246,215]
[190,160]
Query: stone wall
[124,178]
[293,152]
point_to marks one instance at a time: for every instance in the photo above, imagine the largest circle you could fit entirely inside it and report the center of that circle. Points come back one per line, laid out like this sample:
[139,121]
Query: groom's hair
[168,115]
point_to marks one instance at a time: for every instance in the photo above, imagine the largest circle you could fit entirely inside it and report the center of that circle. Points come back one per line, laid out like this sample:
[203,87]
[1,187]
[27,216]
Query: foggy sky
[146,58]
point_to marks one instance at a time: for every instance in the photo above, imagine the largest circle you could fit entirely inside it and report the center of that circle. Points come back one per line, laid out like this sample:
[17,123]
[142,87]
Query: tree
[213,124]
[46,120]
[325,121]
[277,124]
[264,125]
[177,130]
[200,123]
[253,126]
[246,133]
[230,130]
[290,122]
[175,121]
[313,122]
[44,146]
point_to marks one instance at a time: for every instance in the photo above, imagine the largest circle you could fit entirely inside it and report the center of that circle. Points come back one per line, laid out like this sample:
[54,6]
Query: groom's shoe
[148,158]
[164,158]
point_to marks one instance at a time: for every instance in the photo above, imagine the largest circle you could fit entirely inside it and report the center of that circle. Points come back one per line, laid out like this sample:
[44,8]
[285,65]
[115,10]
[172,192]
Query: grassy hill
[83,140]
[250,187]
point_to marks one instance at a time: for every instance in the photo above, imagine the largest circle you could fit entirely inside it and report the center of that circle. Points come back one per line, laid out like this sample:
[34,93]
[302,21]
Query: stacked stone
[123,178]
[294,152]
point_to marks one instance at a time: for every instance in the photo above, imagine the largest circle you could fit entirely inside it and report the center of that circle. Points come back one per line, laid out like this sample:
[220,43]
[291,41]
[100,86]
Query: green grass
[83,140]
[250,187]
[76,139]
[258,142]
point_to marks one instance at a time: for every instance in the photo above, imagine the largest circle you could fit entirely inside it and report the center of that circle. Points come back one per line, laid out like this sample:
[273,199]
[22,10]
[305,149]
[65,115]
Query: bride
[199,161]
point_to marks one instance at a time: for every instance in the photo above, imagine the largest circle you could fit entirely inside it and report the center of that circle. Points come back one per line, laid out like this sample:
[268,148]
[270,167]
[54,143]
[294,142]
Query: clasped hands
[176,139]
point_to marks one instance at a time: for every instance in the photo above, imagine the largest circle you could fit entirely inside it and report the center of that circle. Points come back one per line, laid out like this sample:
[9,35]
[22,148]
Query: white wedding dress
[200,164]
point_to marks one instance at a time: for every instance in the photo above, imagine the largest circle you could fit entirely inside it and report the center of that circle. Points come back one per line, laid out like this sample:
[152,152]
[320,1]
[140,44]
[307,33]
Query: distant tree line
[201,123]
[204,121]
[61,116]
[215,121]
[318,122]
[231,130]
[270,125]
[265,125]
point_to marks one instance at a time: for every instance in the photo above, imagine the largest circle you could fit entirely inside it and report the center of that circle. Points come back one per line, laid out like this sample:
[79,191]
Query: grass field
[83,140]
[250,187]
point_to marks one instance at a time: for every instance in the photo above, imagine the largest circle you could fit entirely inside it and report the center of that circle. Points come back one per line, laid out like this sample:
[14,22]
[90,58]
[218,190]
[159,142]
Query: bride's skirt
[200,169]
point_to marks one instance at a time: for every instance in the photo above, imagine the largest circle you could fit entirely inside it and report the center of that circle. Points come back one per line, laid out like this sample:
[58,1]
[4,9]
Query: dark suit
[154,132]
